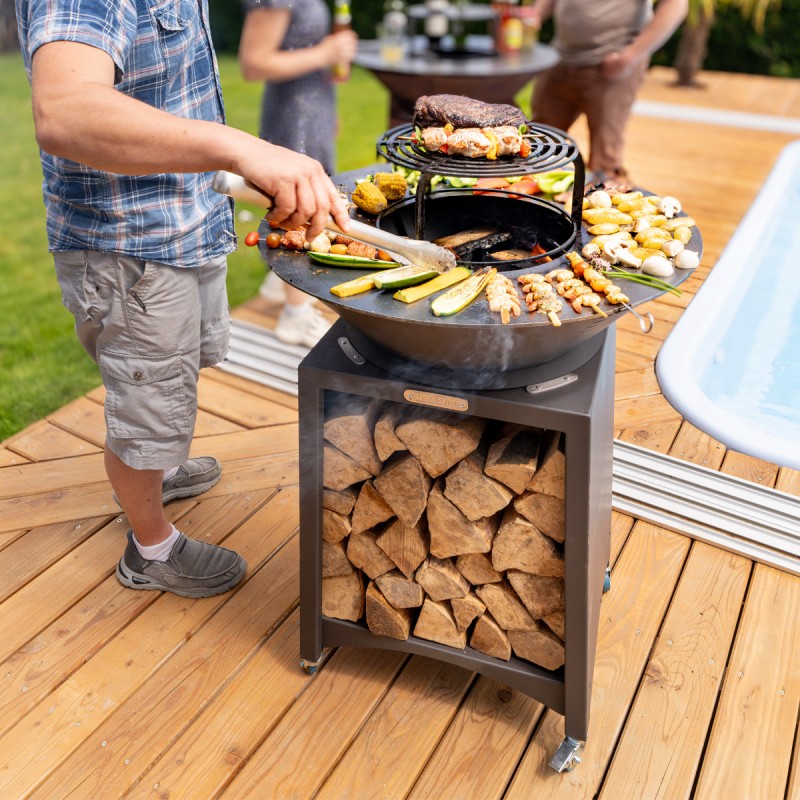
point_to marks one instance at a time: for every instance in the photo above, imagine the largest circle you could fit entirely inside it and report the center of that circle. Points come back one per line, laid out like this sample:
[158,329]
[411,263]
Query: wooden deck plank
[27,556]
[630,617]
[479,753]
[267,392]
[658,436]
[662,744]
[788,481]
[243,408]
[283,766]
[760,697]
[83,418]
[9,458]
[43,440]
[749,468]
[636,383]
[404,728]
[139,727]
[643,412]
[96,498]
[691,444]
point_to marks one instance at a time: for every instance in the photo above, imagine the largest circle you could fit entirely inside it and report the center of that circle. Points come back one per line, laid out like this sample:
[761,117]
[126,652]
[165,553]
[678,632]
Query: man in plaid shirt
[130,122]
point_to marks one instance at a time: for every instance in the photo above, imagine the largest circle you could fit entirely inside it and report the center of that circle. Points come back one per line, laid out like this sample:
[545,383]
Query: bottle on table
[342,21]
[437,22]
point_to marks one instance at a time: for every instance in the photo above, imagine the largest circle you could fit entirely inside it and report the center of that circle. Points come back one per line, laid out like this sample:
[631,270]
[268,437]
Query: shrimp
[503,298]
[559,275]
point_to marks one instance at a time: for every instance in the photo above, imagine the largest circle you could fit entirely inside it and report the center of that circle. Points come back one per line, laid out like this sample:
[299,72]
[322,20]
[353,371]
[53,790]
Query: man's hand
[302,192]
[618,66]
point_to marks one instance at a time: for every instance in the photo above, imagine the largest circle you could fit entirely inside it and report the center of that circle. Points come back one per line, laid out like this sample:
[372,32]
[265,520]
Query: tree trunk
[692,49]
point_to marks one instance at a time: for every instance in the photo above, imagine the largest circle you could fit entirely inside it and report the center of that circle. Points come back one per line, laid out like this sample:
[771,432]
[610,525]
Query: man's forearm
[667,16]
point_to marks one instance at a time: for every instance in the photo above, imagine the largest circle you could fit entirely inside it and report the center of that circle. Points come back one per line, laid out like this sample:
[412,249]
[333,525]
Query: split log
[466,609]
[473,492]
[513,459]
[334,560]
[365,554]
[540,595]
[401,592]
[339,470]
[404,485]
[343,596]
[451,533]
[335,527]
[340,502]
[441,580]
[370,509]
[506,607]
[437,624]
[488,637]
[557,622]
[550,476]
[440,439]
[519,544]
[540,646]
[348,427]
[406,545]
[383,619]
[477,569]
[545,511]
[386,441]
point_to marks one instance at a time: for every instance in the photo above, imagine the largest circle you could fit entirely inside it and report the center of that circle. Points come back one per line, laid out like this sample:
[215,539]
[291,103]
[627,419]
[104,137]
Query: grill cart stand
[580,405]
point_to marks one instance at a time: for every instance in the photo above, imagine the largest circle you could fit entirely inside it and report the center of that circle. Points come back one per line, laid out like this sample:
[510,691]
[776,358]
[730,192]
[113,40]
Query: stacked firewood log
[443,526]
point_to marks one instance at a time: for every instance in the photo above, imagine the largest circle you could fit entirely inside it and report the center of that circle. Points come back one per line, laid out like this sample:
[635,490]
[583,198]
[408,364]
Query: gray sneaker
[193,569]
[194,477]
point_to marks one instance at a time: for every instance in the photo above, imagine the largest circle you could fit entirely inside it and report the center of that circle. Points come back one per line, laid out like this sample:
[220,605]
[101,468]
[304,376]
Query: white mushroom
[599,199]
[641,224]
[319,244]
[617,252]
[669,206]
[687,259]
[590,250]
[659,266]
[671,248]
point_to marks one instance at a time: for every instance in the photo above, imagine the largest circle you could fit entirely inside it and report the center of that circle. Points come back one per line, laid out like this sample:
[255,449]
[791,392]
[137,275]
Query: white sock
[160,551]
[170,473]
[292,310]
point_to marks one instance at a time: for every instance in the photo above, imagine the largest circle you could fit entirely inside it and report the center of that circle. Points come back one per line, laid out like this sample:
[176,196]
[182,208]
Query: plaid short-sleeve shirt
[163,56]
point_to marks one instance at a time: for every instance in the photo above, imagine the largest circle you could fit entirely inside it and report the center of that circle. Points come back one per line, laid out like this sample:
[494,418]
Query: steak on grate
[435,110]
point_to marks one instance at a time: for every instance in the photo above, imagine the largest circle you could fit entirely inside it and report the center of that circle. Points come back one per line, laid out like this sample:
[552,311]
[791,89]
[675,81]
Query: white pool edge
[681,356]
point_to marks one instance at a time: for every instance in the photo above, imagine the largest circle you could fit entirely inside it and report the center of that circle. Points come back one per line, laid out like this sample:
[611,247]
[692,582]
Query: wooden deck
[107,692]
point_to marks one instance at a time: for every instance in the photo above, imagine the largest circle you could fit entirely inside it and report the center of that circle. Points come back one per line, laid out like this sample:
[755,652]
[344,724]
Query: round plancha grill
[470,349]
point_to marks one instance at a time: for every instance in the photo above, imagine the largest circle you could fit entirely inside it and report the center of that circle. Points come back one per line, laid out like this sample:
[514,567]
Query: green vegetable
[413,293]
[646,280]
[461,183]
[556,181]
[357,262]
[462,294]
[403,276]
[356,286]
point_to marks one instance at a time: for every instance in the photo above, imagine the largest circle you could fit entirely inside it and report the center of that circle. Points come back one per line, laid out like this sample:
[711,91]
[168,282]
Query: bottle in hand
[342,21]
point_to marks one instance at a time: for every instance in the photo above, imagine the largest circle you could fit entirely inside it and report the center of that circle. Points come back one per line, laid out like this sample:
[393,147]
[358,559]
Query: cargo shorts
[150,328]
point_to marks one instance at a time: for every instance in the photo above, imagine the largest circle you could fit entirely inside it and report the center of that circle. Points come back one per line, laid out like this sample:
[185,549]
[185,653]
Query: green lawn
[42,367]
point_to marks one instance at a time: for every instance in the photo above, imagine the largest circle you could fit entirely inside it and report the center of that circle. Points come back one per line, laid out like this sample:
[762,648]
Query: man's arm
[667,16]
[79,115]
[542,10]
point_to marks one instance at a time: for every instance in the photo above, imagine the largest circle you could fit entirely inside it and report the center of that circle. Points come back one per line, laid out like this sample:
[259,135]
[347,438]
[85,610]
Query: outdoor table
[476,71]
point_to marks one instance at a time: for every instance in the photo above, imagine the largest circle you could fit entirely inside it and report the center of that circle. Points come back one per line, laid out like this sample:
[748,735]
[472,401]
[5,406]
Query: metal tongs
[419,253]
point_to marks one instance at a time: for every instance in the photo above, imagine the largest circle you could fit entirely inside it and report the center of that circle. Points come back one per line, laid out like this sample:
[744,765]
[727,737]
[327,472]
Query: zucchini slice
[461,295]
[349,288]
[353,262]
[403,276]
[413,293]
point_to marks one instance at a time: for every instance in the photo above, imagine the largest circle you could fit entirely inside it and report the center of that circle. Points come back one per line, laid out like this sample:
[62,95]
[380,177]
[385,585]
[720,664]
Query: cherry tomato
[273,240]
[339,249]
[251,240]
[524,148]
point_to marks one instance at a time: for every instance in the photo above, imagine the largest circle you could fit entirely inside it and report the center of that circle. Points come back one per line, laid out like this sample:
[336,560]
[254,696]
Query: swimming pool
[731,366]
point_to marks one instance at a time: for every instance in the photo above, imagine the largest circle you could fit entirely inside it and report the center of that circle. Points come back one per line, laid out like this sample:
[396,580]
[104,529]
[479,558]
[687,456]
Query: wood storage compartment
[471,527]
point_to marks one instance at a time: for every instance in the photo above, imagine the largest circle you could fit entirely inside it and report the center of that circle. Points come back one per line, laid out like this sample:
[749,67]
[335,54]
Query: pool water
[731,365]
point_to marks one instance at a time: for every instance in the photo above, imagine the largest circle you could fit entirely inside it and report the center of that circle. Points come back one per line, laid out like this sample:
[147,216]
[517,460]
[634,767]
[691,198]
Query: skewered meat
[438,110]
[503,298]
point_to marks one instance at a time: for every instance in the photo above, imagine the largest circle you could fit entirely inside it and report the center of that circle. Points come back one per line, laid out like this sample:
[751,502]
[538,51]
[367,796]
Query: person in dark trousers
[130,123]
[604,48]
[289,44]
